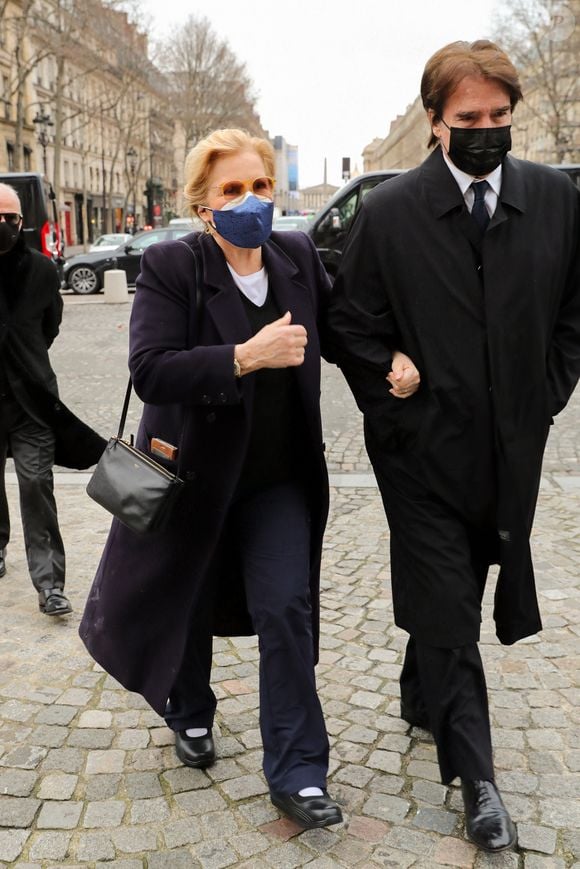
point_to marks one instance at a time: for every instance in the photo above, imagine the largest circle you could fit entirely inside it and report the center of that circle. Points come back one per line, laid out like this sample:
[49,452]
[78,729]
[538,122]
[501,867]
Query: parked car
[40,216]
[110,241]
[289,222]
[84,273]
[188,222]
[330,227]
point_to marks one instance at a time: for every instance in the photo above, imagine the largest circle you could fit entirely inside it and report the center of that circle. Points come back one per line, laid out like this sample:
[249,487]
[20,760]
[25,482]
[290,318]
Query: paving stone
[532,861]
[121,864]
[134,840]
[24,757]
[11,844]
[57,786]
[141,785]
[215,856]
[186,831]
[17,811]
[439,821]
[94,846]
[429,792]
[534,838]
[97,739]
[144,811]
[387,808]
[245,786]
[186,779]
[59,815]
[95,718]
[454,852]
[64,760]
[17,782]
[49,846]
[357,776]
[102,787]
[387,761]
[172,860]
[62,715]
[105,761]
[104,813]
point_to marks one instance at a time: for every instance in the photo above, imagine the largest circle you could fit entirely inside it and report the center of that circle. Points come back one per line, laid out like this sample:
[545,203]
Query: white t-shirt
[254,287]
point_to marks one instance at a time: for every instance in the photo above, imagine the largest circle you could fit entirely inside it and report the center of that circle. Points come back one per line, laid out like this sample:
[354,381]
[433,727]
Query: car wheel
[83,280]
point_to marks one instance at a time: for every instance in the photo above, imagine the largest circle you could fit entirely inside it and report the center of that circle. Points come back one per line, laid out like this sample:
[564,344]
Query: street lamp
[44,121]
[132,158]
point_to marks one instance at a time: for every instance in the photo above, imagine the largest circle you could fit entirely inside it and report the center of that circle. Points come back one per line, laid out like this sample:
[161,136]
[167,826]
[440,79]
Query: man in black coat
[35,427]
[470,264]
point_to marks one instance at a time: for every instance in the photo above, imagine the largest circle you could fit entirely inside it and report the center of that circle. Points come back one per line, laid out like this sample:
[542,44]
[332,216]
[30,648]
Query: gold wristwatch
[237,368]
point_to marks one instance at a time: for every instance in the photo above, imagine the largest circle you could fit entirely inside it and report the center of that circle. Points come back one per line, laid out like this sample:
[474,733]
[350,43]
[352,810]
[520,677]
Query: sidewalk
[88,776]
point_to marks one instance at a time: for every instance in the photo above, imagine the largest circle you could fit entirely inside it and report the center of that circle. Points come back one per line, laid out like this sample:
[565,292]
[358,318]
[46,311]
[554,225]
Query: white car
[109,241]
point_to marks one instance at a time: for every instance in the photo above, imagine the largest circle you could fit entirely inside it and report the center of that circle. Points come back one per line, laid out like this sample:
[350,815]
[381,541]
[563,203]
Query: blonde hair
[220,143]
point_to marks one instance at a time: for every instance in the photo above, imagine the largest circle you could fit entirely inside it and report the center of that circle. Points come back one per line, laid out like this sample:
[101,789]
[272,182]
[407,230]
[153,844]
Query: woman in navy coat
[234,386]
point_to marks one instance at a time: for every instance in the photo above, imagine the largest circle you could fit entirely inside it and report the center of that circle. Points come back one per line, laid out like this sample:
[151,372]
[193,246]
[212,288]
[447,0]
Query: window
[26,153]
[10,156]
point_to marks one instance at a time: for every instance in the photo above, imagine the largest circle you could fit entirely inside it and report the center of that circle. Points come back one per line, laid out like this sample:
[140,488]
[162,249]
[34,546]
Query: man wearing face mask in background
[469,264]
[35,427]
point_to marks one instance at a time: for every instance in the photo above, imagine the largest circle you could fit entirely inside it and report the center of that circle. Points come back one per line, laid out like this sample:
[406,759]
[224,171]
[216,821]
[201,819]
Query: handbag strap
[198,303]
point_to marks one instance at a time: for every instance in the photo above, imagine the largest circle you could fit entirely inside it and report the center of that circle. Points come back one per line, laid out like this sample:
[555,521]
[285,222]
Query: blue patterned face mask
[246,221]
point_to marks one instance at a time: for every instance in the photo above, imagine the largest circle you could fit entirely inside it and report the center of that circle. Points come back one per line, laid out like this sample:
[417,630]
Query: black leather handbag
[131,485]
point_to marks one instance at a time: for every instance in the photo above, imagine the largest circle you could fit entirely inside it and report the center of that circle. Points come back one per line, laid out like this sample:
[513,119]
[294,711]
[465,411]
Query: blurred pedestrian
[35,427]
[469,263]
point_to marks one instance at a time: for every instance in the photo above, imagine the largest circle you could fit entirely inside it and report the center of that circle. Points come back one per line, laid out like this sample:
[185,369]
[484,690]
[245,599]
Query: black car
[331,225]
[84,273]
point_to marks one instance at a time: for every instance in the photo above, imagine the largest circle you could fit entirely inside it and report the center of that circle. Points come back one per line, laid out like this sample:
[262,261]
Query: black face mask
[478,150]
[8,236]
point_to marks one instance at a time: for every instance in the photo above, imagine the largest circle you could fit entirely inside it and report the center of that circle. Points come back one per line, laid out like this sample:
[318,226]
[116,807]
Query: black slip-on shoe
[52,602]
[308,812]
[487,821]
[195,751]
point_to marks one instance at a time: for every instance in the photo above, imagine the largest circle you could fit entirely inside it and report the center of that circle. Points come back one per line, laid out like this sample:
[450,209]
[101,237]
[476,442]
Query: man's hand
[277,345]
[403,376]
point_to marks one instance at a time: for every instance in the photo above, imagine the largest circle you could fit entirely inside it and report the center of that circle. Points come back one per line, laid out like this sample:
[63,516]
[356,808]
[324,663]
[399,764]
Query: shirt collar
[465,181]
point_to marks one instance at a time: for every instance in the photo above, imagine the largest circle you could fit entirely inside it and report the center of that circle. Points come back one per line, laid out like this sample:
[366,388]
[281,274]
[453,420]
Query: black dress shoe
[195,751]
[52,602]
[415,717]
[308,812]
[2,562]
[487,821]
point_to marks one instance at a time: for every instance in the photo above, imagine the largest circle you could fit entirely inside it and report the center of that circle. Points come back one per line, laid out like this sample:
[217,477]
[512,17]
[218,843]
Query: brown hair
[454,62]
[201,158]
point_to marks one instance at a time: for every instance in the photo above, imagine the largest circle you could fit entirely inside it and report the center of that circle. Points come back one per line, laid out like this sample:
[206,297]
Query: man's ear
[434,122]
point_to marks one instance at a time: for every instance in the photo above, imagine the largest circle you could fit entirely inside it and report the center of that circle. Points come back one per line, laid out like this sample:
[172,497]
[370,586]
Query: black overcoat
[136,618]
[30,317]
[493,325]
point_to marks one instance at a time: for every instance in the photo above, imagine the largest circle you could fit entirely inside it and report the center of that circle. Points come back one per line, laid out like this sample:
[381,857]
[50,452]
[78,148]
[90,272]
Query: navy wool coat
[136,618]
[493,326]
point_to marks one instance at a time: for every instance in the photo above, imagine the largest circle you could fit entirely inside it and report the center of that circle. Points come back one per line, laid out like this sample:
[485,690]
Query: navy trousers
[32,447]
[271,534]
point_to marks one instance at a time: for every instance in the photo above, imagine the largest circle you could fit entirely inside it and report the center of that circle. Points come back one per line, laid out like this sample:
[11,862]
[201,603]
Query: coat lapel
[222,298]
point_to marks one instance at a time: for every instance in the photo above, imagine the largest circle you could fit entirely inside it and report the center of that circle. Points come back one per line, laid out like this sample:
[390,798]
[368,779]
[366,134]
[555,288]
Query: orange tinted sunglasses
[261,186]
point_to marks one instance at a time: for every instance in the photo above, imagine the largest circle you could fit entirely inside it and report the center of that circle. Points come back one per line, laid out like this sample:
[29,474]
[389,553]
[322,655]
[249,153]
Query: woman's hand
[277,345]
[403,376]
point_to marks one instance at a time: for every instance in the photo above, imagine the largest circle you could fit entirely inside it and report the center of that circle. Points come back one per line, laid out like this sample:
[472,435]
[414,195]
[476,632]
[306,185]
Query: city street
[88,775]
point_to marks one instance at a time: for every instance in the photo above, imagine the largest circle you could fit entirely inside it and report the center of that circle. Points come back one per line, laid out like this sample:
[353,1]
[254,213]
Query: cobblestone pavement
[88,776]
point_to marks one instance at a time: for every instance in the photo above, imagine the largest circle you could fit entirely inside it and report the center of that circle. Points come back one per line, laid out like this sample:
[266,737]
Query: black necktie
[479,211]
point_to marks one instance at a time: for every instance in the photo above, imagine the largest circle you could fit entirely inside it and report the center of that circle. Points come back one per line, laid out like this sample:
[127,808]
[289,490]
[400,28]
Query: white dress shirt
[465,181]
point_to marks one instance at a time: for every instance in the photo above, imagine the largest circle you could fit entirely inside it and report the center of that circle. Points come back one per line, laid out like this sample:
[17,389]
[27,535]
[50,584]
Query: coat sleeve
[360,332]
[165,368]
[564,353]
[52,316]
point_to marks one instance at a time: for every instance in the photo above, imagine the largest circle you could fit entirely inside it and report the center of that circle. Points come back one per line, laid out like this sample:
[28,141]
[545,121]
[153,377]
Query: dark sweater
[278,434]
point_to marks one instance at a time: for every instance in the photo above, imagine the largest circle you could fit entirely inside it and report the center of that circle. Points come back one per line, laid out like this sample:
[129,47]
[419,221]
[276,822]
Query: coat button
[223,397]
[206,399]
[190,475]
[210,417]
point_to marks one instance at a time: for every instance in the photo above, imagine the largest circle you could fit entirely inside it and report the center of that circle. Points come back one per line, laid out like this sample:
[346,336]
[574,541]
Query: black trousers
[447,686]
[32,448]
[270,532]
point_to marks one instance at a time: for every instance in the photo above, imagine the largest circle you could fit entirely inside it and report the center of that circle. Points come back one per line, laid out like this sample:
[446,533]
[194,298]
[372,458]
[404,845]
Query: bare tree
[543,39]
[211,87]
